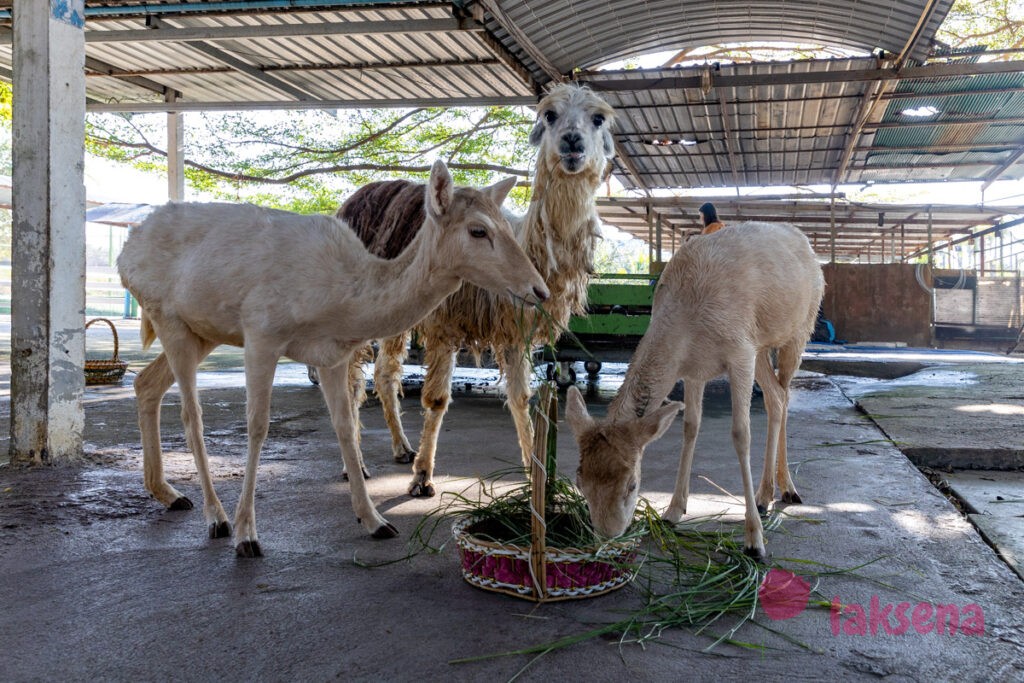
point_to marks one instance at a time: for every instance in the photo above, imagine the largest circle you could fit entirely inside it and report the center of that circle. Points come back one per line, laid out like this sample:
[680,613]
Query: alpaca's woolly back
[559,234]
[386,215]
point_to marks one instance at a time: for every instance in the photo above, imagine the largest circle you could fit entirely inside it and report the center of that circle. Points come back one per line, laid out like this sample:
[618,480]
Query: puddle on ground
[937,377]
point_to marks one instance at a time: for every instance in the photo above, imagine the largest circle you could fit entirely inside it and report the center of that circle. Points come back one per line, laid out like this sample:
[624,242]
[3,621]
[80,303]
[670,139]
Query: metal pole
[832,236]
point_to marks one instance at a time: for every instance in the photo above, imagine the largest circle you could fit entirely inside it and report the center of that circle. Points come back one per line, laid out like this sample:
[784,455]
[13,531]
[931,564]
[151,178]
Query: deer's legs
[774,405]
[184,351]
[357,392]
[150,386]
[260,365]
[337,393]
[691,427]
[387,377]
[436,395]
[741,381]
[789,361]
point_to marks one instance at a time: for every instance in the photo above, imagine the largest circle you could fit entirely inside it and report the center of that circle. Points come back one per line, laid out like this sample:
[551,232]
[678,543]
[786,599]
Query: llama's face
[610,456]
[475,240]
[573,130]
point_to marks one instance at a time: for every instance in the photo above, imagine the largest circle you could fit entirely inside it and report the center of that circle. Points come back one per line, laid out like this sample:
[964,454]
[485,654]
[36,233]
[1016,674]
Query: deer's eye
[598,120]
[550,116]
[632,486]
[477,232]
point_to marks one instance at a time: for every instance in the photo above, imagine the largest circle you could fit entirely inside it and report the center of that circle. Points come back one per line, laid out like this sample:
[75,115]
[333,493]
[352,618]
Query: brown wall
[878,302]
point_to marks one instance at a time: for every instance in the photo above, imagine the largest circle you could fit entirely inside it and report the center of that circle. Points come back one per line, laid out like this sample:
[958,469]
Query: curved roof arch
[587,33]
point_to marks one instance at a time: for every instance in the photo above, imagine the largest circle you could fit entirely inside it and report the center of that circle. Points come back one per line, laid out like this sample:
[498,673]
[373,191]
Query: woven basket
[105,371]
[537,572]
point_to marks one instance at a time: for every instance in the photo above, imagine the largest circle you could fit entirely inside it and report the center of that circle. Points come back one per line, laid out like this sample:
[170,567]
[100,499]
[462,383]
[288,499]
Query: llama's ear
[608,143]
[440,190]
[537,134]
[499,190]
[576,412]
[651,426]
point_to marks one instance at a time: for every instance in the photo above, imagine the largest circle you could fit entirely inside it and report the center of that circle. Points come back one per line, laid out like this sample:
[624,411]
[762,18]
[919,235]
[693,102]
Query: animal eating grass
[724,302]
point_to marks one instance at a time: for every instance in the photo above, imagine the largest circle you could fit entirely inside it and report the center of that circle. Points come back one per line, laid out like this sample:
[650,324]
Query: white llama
[723,303]
[281,284]
[559,232]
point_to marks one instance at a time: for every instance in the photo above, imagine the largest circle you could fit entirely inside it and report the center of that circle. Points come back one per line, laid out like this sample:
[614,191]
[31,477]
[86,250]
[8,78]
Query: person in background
[709,218]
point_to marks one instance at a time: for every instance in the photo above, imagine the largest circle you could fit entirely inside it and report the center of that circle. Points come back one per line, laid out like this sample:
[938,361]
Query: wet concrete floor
[100,581]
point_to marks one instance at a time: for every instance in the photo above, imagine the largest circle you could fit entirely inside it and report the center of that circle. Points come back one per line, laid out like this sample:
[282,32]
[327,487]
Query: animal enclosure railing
[104,295]
[969,303]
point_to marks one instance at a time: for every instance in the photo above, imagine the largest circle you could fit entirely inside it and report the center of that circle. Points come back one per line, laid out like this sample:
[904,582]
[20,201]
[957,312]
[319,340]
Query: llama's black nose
[541,294]
[572,143]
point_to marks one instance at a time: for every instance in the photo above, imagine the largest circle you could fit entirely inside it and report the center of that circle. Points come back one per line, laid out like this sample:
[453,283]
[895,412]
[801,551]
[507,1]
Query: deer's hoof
[180,503]
[755,553]
[249,549]
[388,530]
[421,489]
[405,457]
[366,475]
[792,498]
[220,530]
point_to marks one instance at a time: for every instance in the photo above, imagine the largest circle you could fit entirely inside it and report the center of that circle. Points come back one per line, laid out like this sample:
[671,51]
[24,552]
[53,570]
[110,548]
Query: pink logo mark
[783,594]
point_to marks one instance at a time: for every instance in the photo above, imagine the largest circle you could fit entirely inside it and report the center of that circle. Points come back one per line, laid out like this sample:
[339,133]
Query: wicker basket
[105,371]
[537,572]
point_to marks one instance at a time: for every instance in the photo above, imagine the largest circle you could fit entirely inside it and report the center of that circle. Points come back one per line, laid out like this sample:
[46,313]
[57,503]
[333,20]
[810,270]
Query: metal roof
[791,123]
[869,231]
[586,33]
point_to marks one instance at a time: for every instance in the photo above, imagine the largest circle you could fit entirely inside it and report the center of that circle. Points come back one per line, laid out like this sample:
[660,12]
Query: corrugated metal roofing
[779,123]
[586,33]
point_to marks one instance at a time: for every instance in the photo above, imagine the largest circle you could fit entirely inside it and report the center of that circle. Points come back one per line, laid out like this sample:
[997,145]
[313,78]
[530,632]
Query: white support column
[175,153]
[48,273]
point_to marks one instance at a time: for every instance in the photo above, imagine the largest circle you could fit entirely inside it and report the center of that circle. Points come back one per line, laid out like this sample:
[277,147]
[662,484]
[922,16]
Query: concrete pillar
[175,153]
[48,274]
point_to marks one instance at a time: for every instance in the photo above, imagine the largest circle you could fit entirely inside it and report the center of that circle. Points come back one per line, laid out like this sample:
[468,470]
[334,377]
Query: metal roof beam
[1002,168]
[216,33]
[362,66]
[102,68]
[256,105]
[523,40]
[251,71]
[605,81]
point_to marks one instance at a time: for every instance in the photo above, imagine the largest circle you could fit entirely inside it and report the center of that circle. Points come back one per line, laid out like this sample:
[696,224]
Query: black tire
[593,368]
[565,380]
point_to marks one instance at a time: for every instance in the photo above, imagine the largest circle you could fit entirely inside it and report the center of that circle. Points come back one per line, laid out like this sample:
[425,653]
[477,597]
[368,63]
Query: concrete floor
[101,582]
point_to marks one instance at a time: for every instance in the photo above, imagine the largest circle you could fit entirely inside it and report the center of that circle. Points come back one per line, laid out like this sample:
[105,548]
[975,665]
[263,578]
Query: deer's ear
[440,190]
[499,190]
[651,426]
[576,412]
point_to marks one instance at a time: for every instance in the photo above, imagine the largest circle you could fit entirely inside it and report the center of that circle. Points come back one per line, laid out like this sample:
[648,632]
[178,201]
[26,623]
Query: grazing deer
[723,303]
[281,284]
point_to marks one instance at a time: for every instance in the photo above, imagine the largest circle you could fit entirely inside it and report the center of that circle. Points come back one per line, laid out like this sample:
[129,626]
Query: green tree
[309,160]
[996,24]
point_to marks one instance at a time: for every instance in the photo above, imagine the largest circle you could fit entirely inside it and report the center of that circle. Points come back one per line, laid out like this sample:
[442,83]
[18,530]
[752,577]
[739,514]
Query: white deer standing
[723,303]
[281,284]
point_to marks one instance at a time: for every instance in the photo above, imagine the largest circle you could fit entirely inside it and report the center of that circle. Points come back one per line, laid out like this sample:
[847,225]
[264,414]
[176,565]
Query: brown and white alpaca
[559,232]
[281,284]
[723,303]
